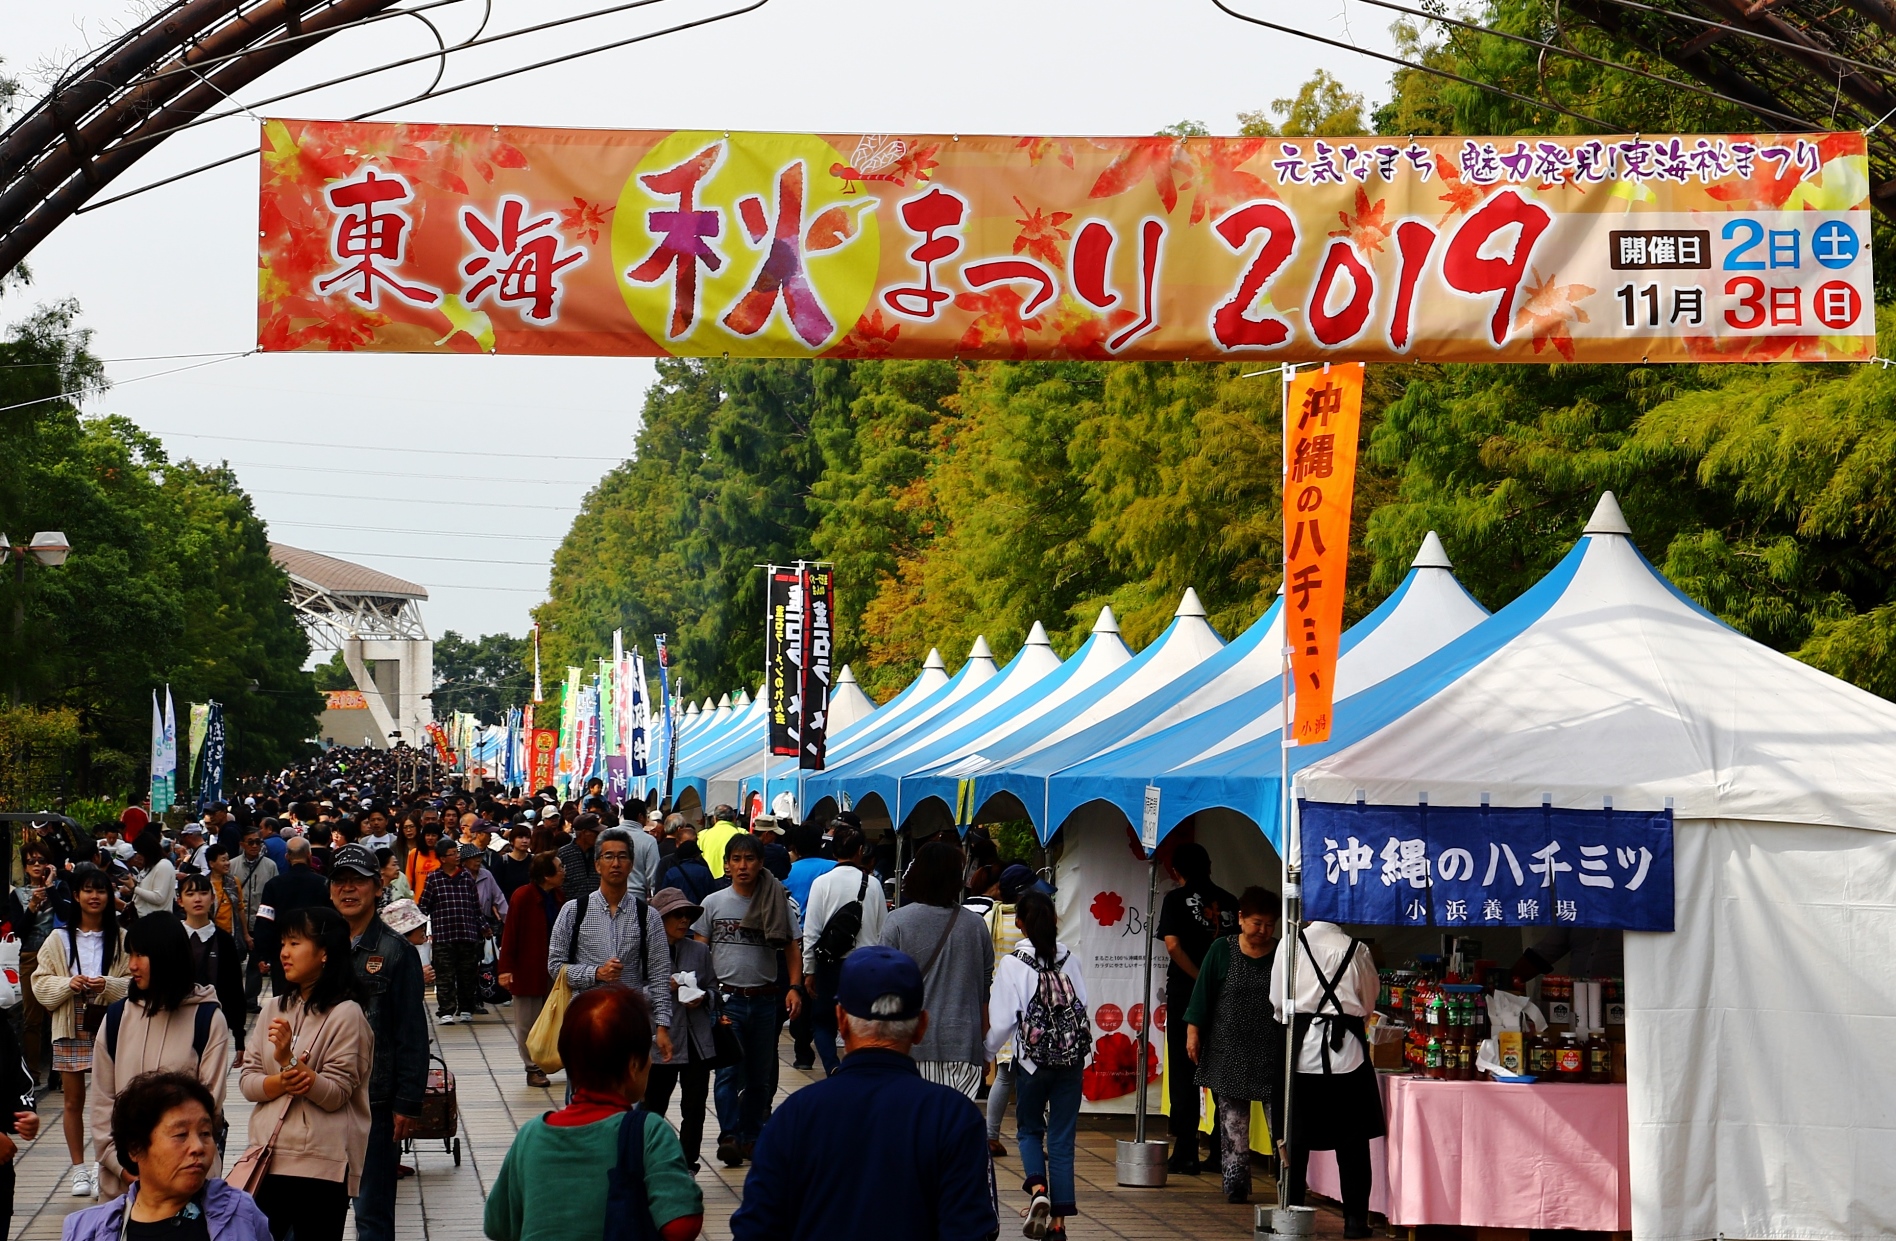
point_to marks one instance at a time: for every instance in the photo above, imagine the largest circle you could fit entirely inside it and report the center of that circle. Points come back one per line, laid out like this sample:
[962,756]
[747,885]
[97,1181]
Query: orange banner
[501,239]
[542,746]
[1322,407]
[346,700]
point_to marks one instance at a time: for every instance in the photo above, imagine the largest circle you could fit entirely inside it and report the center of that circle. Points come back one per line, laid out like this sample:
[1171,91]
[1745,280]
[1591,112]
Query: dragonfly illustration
[873,154]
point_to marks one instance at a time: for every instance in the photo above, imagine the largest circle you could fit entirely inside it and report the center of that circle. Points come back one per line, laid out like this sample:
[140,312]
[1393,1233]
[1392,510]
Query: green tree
[1320,108]
[170,579]
[486,676]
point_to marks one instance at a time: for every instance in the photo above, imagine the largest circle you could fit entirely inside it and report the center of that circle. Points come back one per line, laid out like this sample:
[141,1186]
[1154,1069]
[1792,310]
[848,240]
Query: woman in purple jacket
[162,1130]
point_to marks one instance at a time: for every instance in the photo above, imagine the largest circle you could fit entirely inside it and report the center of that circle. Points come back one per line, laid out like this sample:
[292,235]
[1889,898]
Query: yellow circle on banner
[744,244]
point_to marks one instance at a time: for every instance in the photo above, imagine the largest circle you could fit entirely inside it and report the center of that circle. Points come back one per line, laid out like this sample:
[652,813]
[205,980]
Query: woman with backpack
[166,1022]
[1039,1001]
[81,971]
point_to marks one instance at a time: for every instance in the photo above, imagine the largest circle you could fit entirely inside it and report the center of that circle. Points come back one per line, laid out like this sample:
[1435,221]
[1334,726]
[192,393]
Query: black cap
[357,859]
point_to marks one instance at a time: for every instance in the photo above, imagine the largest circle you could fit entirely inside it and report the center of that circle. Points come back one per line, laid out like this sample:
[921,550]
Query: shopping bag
[9,971]
[543,1041]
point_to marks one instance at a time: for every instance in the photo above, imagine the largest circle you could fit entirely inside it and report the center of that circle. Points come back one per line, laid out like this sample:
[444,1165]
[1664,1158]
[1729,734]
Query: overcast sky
[462,473]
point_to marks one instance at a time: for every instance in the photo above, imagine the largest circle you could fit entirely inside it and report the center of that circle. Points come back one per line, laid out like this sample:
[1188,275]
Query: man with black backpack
[612,936]
[844,912]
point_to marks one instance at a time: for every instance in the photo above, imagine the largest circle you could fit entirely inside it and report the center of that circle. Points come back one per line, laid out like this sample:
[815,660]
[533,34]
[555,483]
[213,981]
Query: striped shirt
[609,933]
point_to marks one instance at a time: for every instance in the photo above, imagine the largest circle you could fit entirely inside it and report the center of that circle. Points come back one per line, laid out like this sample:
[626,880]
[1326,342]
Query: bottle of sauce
[1465,1055]
[1570,1061]
[1540,1053]
[1599,1059]
[1432,1062]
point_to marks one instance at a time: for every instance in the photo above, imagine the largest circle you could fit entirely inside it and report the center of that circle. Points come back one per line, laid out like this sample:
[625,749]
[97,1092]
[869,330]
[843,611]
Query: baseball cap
[192,829]
[355,858]
[874,971]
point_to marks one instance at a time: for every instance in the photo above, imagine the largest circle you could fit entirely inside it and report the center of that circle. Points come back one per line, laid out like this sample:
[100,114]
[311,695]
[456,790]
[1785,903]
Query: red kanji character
[1319,403]
[1000,271]
[925,216]
[1314,457]
[685,230]
[1316,538]
[1303,581]
[365,234]
[782,273]
[532,263]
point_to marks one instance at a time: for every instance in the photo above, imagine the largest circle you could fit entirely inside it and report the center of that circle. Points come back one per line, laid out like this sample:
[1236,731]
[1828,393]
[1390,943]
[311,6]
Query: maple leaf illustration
[1165,161]
[870,338]
[1217,180]
[1367,228]
[1039,231]
[837,225]
[997,316]
[1548,309]
[916,163]
[1461,195]
[583,219]
[1039,148]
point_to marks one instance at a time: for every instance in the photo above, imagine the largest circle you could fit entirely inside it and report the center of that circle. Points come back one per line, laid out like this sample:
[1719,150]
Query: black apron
[1329,1109]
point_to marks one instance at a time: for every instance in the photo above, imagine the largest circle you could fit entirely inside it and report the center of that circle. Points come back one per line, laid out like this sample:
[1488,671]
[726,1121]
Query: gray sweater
[955,988]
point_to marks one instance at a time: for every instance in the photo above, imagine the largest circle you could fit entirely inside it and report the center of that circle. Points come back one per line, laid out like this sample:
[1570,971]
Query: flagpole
[1289,871]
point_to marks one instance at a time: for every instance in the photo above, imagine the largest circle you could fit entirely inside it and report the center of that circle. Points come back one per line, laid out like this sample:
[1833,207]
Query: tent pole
[1145,1000]
[1289,871]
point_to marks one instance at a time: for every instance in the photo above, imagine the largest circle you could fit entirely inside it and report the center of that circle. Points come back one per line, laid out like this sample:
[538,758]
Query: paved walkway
[444,1201]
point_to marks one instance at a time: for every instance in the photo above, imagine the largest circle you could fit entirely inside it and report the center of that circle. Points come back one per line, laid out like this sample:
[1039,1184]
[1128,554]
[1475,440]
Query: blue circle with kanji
[1834,244]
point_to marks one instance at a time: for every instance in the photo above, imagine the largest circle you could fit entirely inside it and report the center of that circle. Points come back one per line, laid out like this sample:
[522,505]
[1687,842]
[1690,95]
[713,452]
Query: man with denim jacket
[388,972]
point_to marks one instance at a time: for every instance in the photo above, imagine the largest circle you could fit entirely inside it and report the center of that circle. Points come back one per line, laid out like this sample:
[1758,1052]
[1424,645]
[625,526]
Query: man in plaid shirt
[451,898]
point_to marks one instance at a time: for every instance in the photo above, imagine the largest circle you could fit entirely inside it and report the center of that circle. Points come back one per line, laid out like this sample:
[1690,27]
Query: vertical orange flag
[1322,407]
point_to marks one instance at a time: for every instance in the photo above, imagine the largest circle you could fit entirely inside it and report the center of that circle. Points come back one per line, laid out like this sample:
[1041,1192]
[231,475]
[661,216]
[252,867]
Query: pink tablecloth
[1485,1155]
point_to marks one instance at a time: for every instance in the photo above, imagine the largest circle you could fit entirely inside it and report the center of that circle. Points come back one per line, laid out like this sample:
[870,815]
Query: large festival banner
[428,238]
[543,745]
[1322,408]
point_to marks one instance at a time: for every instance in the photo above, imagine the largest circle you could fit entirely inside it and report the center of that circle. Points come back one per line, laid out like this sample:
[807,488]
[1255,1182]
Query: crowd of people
[659,956]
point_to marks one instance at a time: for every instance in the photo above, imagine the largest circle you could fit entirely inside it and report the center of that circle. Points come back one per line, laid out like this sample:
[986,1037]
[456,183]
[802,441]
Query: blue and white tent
[1754,1027]
[1008,752]
[747,754]
[863,751]
[1226,756]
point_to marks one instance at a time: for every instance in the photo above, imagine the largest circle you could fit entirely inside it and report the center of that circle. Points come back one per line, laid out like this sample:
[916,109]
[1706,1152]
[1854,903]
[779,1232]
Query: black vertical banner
[783,659]
[819,592]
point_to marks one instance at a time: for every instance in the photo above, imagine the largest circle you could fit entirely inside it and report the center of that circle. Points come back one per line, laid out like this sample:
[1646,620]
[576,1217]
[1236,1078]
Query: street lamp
[50,548]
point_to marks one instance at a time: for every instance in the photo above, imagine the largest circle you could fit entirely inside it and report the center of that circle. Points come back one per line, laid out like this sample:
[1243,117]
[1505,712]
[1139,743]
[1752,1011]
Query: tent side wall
[1759,1032]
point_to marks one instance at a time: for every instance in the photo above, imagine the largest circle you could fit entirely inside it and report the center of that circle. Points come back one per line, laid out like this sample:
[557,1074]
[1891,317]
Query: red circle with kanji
[1136,1018]
[1837,304]
[1108,1017]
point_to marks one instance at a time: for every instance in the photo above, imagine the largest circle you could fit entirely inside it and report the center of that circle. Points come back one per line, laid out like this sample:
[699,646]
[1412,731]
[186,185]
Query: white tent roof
[1605,680]
[847,702]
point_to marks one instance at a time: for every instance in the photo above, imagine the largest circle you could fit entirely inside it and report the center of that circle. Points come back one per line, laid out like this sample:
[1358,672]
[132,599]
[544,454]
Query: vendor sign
[503,239]
[1452,866]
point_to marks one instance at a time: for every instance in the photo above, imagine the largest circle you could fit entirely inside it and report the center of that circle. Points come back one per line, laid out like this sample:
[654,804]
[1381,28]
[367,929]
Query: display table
[1487,1155]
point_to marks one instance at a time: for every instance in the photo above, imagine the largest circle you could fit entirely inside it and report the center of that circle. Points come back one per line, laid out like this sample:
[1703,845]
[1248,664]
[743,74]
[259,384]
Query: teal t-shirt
[552,1185]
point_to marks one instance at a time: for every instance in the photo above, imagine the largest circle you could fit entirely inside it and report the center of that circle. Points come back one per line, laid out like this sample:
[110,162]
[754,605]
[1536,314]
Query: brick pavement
[443,1201]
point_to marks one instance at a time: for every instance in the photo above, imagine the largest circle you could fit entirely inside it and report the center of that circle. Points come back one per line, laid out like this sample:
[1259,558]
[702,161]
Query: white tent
[1760,1103]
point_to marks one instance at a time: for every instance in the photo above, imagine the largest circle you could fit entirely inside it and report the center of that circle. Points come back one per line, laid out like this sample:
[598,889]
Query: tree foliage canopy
[170,578]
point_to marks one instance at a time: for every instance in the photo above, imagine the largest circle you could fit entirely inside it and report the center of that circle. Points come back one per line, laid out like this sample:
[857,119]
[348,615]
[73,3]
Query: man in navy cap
[924,1174]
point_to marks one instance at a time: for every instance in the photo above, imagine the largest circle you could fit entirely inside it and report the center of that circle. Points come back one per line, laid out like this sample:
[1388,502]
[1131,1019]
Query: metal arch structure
[374,619]
[114,106]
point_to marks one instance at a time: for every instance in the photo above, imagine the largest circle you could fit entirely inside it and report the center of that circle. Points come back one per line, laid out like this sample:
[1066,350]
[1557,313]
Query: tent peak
[981,649]
[1037,636]
[1189,605]
[1607,518]
[743,697]
[846,677]
[725,701]
[934,660]
[1433,555]
[1107,622]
